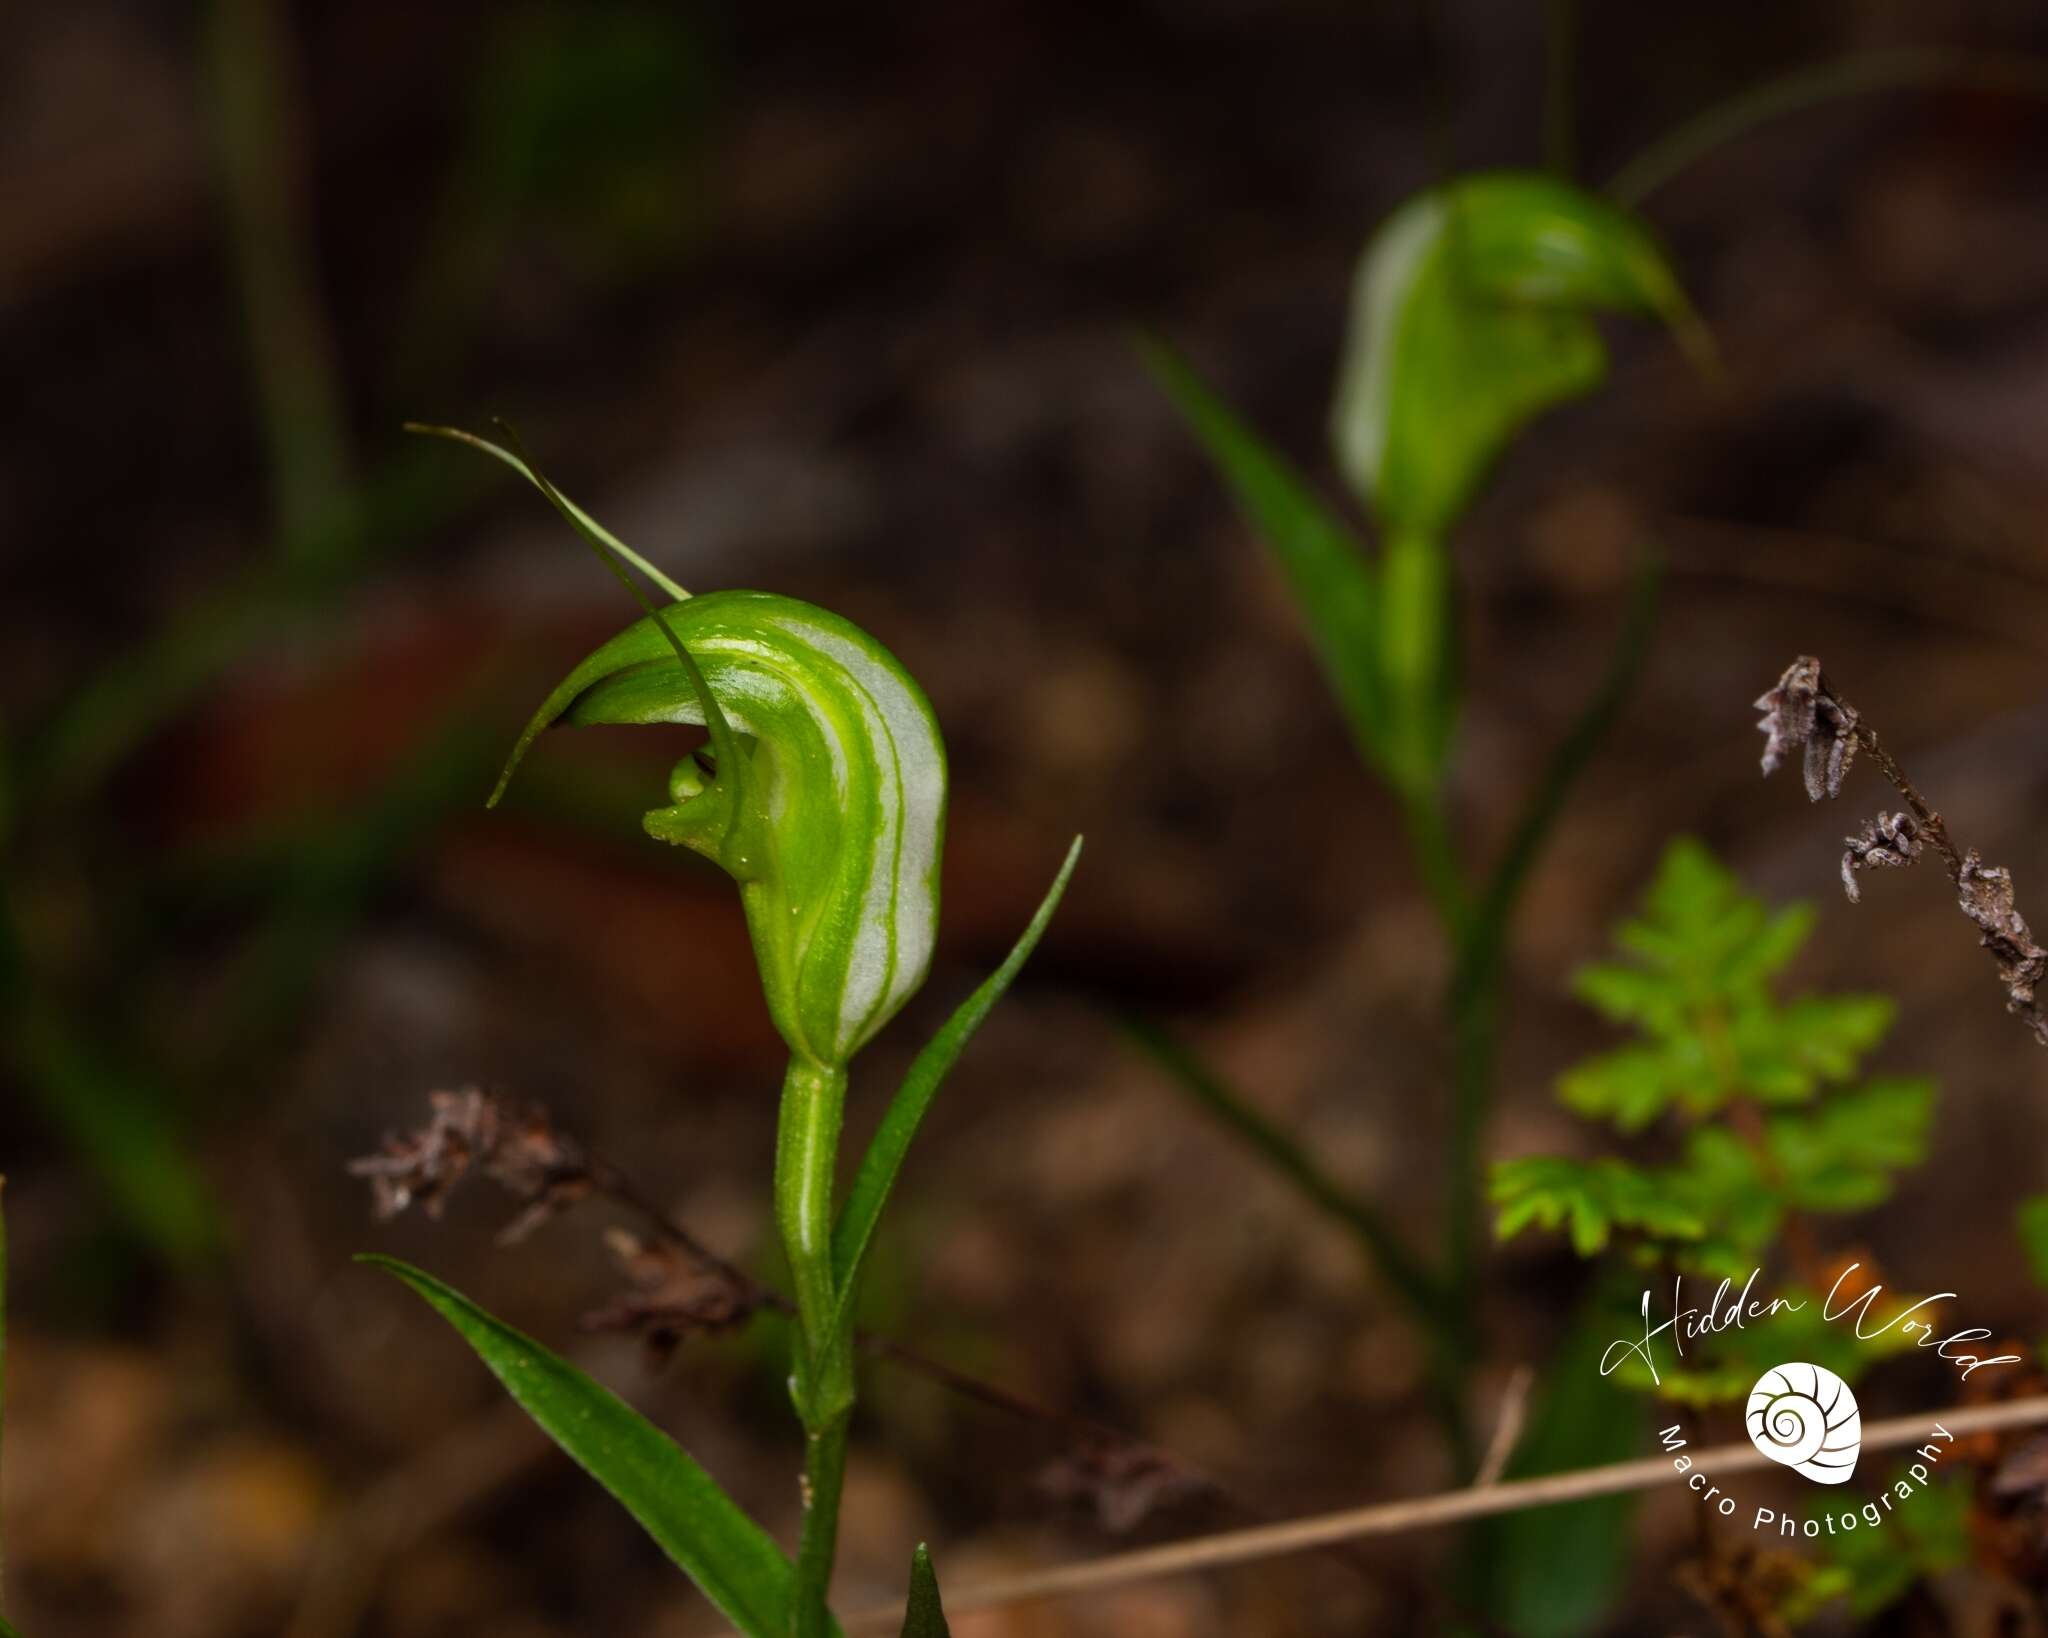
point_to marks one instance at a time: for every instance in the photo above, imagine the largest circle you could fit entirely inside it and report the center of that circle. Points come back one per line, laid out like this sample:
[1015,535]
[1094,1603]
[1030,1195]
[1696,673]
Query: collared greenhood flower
[833,823]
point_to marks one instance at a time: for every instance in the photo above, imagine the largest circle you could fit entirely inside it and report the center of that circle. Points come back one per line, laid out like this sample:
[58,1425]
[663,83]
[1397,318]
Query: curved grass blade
[884,1157]
[1188,1071]
[923,1618]
[680,1506]
[1904,68]
[581,521]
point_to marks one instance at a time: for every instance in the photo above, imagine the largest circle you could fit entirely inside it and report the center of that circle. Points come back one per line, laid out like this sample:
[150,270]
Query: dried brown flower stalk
[679,1288]
[520,1150]
[1803,711]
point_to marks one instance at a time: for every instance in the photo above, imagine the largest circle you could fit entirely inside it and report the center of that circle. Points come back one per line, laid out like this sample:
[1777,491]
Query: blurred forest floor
[839,304]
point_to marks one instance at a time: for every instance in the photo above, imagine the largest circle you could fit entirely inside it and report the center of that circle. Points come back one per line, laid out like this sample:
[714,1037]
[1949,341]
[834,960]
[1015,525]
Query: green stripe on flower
[836,847]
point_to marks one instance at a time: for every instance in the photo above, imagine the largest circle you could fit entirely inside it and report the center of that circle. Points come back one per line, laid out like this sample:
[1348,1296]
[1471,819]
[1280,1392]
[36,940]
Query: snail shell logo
[1805,1417]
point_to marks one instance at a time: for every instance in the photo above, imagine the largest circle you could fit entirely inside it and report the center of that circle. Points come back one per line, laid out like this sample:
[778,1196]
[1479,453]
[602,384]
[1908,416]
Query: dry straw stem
[1804,713]
[1392,1518]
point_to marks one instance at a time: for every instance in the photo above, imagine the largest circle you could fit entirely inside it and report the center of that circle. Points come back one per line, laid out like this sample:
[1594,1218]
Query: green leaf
[891,1143]
[2032,1222]
[1594,1197]
[1723,1183]
[1326,568]
[1554,1572]
[1698,990]
[1633,1085]
[680,1506]
[1471,314]
[1631,995]
[1873,1567]
[1842,1155]
[1787,1053]
[1703,933]
[923,1618]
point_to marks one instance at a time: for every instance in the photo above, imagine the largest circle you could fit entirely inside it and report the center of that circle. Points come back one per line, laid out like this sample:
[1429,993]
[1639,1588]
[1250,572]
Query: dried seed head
[520,1150]
[1800,711]
[1985,893]
[1891,839]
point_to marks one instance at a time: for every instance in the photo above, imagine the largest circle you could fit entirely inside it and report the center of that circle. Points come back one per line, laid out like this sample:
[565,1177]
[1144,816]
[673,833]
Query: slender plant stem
[806,1158]
[807,1148]
[1436,858]
[1481,945]
[1932,825]
[1451,1507]
[1411,1280]
[818,1544]
[1807,88]
[1485,939]
[1403,1270]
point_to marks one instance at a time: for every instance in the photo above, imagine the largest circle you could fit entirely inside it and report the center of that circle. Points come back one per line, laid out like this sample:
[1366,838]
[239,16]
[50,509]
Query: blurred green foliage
[1752,1092]
[584,126]
[1872,1567]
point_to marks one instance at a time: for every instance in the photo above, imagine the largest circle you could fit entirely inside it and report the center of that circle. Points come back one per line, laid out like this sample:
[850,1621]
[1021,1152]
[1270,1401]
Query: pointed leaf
[730,1557]
[1591,1197]
[923,1618]
[1326,568]
[1553,1572]
[1471,314]
[885,1154]
[1842,1156]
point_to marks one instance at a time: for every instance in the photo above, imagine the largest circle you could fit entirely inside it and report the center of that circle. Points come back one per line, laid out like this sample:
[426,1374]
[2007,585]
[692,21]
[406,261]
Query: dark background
[837,301]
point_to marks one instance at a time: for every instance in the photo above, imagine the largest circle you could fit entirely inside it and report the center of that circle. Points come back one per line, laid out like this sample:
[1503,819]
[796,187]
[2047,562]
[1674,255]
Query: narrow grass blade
[1193,1076]
[884,1158]
[730,1558]
[1486,933]
[581,521]
[1901,69]
[924,1618]
[1325,565]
